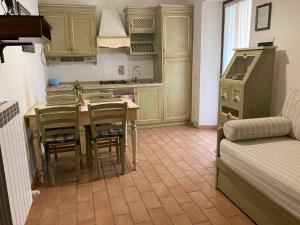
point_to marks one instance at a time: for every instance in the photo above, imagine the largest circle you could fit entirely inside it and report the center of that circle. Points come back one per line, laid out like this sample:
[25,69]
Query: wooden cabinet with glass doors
[246,85]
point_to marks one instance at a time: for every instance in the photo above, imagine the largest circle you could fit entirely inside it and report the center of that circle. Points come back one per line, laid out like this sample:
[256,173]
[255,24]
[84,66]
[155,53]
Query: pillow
[247,129]
[291,110]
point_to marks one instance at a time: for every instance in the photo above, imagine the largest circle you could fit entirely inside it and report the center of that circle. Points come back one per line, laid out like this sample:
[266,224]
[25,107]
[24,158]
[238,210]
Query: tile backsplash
[107,68]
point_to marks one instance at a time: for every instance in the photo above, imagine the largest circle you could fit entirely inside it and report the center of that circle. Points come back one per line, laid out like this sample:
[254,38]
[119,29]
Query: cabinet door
[177,89]
[83,34]
[177,35]
[142,23]
[60,34]
[150,103]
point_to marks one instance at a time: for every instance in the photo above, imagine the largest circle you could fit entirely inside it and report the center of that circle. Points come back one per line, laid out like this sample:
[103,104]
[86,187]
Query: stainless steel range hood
[112,33]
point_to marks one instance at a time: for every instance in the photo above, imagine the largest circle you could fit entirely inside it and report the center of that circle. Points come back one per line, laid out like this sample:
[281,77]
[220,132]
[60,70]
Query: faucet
[136,73]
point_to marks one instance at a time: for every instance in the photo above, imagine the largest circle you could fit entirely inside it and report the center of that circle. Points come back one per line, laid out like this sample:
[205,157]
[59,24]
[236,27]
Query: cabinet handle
[224,96]
[235,99]
[229,115]
[165,63]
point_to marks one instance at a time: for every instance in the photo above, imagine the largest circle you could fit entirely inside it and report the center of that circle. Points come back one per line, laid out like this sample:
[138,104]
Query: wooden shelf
[22,30]
[22,27]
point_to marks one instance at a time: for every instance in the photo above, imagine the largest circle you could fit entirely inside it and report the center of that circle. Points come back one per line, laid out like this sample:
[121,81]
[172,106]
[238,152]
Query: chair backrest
[62,99]
[98,94]
[57,121]
[108,116]
[291,110]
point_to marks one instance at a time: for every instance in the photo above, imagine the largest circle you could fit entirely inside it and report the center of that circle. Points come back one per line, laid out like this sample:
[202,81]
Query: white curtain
[237,21]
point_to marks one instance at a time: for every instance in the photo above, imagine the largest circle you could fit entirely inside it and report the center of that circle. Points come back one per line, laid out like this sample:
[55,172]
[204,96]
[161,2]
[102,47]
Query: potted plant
[78,90]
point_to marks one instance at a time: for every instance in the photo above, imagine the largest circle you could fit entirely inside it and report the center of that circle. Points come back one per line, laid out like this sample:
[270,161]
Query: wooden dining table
[84,119]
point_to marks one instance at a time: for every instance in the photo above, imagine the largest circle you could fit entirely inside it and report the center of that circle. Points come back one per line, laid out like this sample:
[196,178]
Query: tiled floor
[174,184]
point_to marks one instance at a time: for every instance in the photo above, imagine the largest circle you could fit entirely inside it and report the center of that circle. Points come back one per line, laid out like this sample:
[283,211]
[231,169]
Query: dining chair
[96,97]
[108,129]
[97,94]
[59,131]
[61,99]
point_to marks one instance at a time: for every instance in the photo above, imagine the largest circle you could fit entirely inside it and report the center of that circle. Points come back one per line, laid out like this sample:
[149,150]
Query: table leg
[134,142]
[38,156]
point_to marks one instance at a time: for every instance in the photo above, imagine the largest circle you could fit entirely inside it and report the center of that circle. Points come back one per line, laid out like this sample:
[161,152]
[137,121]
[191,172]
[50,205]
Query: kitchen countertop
[96,86]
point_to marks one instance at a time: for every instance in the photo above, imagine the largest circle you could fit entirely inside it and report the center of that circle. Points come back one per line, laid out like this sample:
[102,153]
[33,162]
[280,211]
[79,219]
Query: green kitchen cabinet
[73,32]
[177,31]
[176,44]
[60,34]
[149,100]
[141,20]
[83,33]
[177,79]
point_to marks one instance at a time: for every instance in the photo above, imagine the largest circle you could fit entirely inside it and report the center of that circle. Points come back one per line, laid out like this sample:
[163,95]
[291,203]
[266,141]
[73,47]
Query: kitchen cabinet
[141,19]
[83,33]
[177,35]
[73,31]
[149,100]
[60,34]
[246,85]
[177,89]
[176,30]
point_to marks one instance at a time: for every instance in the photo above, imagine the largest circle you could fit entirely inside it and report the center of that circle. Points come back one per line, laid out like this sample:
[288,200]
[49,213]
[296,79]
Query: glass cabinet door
[240,66]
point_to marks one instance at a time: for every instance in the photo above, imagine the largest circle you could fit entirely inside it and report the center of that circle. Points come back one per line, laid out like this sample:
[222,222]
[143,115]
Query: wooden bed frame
[254,203]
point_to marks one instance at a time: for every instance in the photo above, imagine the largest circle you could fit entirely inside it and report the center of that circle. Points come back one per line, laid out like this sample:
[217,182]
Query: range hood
[112,33]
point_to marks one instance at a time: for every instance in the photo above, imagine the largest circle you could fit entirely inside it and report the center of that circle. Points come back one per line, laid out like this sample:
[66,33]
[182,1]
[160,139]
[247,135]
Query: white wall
[210,59]
[196,63]
[286,31]
[22,76]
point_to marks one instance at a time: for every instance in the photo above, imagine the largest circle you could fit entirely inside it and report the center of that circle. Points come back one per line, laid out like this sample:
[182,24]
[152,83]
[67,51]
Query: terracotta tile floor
[174,184]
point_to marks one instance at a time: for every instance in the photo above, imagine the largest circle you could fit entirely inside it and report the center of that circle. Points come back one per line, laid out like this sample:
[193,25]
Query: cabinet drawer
[224,93]
[228,113]
[225,118]
[236,96]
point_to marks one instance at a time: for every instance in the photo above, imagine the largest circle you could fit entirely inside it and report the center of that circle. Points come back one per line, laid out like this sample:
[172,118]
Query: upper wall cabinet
[73,31]
[83,33]
[61,42]
[141,19]
[177,21]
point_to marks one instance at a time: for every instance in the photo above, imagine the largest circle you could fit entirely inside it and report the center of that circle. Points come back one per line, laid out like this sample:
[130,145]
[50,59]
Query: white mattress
[271,165]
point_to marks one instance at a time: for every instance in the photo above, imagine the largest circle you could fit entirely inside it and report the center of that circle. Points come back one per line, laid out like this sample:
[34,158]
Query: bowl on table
[53,82]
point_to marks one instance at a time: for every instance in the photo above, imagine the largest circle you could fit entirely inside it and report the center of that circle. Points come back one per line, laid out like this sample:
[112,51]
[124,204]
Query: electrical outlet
[121,69]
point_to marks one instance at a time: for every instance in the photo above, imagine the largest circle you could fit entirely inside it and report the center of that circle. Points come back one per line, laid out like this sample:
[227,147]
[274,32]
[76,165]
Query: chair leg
[78,161]
[122,146]
[95,149]
[51,174]
[80,156]
[118,150]
[109,146]
[89,157]
[49,166]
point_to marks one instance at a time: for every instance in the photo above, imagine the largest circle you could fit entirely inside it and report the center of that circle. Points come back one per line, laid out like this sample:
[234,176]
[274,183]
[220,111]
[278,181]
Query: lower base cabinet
[149,100]
[177,80]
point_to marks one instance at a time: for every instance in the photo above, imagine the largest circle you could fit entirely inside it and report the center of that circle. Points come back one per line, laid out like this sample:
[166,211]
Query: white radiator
[15,162]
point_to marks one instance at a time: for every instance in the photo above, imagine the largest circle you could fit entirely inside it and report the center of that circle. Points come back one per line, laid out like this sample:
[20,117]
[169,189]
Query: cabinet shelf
[142,48]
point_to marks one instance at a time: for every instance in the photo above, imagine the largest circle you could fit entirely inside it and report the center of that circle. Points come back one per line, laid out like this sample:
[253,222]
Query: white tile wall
[13,147]
[108,61]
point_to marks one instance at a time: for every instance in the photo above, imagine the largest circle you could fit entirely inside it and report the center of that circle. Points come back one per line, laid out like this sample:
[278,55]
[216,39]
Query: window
[236,28]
